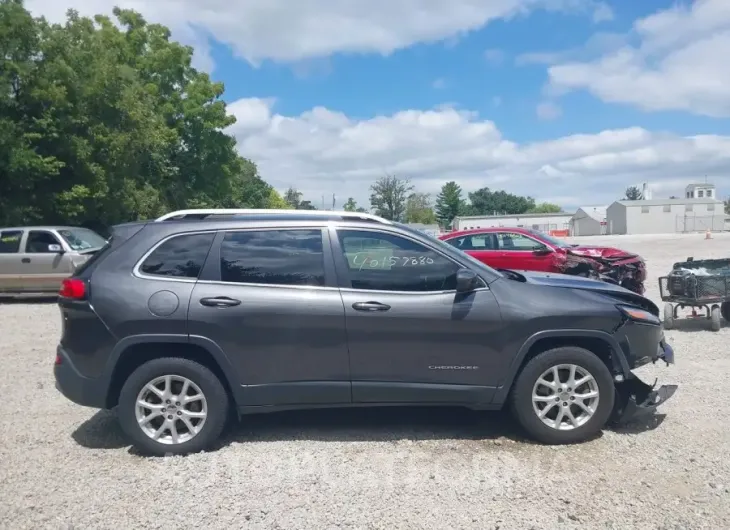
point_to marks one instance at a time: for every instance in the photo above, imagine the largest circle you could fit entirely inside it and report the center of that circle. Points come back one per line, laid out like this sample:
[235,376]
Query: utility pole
[333,202]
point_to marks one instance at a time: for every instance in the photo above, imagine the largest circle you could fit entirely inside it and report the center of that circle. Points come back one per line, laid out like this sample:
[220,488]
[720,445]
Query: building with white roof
[589,221]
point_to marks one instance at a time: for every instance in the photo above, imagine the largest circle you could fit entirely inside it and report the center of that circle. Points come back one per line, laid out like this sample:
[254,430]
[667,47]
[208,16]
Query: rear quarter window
[179,257]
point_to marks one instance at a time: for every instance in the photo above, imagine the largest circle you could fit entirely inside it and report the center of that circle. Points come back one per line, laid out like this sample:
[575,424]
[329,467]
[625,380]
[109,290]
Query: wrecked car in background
[526,249]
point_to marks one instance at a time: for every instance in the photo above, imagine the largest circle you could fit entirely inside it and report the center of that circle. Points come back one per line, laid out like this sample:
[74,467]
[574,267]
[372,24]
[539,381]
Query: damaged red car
[526,249]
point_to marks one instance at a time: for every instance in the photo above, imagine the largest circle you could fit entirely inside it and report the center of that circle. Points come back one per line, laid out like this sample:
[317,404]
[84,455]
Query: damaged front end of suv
[608,265]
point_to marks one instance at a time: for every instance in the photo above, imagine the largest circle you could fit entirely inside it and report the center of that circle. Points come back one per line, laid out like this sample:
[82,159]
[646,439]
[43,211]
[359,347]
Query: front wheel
[172,406]
[668,316]
[562,396]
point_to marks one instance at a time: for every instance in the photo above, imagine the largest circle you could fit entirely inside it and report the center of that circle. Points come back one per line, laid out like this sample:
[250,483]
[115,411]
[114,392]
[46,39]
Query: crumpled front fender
[636,399]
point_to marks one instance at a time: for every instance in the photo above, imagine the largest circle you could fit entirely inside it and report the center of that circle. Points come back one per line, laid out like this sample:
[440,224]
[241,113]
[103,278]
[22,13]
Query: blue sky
[567,100]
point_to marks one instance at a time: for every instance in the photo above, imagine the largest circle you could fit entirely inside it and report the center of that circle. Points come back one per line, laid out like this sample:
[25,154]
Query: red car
[526,249]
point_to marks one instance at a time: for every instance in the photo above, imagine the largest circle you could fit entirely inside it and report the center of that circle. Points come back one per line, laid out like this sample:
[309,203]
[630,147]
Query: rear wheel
[563,396]
[668,316]
[715,322]
[172,406]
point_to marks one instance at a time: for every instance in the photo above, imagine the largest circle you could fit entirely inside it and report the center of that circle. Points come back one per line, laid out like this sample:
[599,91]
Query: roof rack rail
[213,212]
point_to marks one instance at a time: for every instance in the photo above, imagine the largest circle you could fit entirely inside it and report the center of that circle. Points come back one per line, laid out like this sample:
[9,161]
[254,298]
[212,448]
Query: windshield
[82,238]
[550,239]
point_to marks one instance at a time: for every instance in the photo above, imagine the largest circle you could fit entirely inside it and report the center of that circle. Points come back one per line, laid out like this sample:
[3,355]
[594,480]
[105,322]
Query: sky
[567,101]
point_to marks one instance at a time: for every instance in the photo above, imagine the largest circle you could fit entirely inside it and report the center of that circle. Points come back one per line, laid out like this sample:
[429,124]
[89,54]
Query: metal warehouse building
[589,221]
[545,222]
[665,216]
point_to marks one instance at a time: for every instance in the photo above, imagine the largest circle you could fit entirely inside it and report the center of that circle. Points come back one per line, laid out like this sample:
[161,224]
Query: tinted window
[274,257]
[10,241]
[475,242]
[38,241]
[386,262]
[179,257]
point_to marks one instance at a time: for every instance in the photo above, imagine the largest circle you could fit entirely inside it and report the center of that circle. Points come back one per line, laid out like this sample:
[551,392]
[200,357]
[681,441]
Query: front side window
[510,241]
[386,262]
[38,242]
[179,257]
[10,241]
[273,257]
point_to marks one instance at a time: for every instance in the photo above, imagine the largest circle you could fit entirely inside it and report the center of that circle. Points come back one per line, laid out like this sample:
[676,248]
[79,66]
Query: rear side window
[273,257]
[179,257]
[10,241]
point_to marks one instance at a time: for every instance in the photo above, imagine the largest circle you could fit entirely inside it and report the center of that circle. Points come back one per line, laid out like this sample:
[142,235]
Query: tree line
[397,199]
[105,120]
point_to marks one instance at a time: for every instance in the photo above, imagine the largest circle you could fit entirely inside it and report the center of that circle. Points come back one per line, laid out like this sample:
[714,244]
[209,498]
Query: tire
[589,426]
[715,322]
[209,414]
[725,310]
[668,316]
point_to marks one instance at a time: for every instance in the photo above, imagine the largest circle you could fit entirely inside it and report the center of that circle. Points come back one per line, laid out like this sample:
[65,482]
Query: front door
[45,265]
[411,337]
[268,298]
[518,251]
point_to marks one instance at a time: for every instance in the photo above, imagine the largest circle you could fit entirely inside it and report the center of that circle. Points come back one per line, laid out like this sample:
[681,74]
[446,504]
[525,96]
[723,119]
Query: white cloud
[323,152]
[679,63]
[291,30]
[494,56]
[548,110]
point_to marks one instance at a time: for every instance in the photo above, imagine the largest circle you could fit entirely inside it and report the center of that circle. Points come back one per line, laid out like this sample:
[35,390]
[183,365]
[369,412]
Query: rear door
[268,298]
[46,261]
[11,266]
[483,247]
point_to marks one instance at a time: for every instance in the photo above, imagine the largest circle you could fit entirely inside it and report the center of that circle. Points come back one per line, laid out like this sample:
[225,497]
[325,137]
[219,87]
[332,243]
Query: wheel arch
[133,352]
[602,344]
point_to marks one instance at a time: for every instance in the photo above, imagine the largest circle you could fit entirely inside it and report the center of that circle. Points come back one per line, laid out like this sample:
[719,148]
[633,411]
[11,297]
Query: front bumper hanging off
[635,399]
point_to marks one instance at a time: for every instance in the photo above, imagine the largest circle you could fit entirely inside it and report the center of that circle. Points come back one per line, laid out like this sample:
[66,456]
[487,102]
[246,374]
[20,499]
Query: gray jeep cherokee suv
[177,321]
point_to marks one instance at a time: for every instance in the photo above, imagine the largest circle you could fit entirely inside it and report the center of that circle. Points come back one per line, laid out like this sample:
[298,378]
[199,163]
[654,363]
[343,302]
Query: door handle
[370,306]
[25,260]
[220,301]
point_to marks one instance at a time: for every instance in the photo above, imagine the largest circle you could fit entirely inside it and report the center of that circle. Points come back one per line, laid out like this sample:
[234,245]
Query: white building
[666,216]
[544,222]
[589,221]
[700,191]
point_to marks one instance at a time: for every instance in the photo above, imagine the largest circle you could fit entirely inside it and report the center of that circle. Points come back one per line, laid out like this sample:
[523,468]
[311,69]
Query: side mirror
[542,251]
[466,281]
[55,248]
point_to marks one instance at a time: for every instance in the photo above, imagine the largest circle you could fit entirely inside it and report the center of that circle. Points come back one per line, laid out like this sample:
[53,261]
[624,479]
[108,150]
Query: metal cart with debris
[697,284]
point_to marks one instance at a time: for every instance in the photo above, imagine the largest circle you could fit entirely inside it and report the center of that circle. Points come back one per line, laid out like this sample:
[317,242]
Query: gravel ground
[64,466]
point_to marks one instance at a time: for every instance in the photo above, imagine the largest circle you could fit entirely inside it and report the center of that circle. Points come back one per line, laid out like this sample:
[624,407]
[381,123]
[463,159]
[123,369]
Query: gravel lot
[64,466]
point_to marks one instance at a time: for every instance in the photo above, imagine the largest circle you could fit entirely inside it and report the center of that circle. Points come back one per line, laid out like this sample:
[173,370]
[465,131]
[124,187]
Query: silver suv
[36,259]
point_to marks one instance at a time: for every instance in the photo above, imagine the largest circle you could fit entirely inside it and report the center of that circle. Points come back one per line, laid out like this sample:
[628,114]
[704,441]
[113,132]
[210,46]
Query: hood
[607,253]
[567,281]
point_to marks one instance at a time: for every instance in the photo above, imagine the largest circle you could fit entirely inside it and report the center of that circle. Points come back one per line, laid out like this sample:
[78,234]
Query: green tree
[351,206]
[449,204]
[293,197]
[388,197]
[276,201]
[487,202]
[106,121]
[545,207]
[633,193]
[419,209]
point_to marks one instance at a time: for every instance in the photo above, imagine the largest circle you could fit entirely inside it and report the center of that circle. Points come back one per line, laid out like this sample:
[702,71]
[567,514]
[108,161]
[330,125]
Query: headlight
[639,315]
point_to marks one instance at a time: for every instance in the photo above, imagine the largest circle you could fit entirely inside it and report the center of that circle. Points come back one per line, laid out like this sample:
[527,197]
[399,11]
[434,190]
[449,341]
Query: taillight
[73,288]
